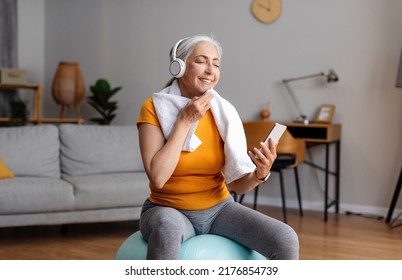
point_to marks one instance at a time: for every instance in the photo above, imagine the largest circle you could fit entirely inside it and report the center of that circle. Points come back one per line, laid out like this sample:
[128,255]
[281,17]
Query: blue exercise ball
[199,247]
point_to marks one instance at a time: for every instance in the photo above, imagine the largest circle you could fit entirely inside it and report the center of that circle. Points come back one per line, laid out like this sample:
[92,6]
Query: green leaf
[102,86]
[100,101]
[115,90]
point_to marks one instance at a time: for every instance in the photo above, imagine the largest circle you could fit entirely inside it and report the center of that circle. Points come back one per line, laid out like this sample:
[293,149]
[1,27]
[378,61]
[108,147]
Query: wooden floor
[343,237]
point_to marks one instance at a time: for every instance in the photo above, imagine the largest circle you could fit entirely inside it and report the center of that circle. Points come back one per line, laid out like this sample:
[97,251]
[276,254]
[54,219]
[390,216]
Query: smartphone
[275,134]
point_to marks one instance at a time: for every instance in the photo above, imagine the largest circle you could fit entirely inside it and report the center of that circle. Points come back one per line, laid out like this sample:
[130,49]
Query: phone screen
[276,133]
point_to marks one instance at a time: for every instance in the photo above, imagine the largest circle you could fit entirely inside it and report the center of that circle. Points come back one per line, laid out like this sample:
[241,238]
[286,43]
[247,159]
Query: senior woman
[192,144]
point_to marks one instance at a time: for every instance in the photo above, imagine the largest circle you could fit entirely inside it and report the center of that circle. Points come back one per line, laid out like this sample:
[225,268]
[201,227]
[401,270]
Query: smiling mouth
[206,81]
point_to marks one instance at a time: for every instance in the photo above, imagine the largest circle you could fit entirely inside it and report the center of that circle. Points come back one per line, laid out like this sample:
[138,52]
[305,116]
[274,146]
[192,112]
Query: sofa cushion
[97,149]
[5,173]
[109,190]
[35,195]
[31,150]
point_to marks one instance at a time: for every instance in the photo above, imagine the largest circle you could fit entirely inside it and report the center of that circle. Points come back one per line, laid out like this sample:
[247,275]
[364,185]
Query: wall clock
[266,11]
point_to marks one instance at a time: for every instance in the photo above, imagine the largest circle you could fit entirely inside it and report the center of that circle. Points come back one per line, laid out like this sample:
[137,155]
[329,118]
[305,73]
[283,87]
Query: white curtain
[8,49]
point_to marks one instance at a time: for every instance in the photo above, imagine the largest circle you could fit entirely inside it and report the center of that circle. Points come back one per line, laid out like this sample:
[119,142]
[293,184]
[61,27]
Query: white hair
[186,47]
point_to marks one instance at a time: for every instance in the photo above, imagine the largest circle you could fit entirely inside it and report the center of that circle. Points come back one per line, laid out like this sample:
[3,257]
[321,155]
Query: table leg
[394,198]
[326,181]
[39,104]
[337,176]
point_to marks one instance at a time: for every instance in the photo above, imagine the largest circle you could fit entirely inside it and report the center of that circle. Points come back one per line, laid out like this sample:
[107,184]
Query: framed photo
[326,113]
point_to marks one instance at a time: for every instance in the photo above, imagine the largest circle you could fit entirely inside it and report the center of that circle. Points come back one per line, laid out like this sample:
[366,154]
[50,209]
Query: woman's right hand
[196,108]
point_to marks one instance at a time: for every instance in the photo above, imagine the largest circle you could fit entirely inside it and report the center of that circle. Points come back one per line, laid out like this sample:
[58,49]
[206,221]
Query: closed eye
[201,60]
[216,63]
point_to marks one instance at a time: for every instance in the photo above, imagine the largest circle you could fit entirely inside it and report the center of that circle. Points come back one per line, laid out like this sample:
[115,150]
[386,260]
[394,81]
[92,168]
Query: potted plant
[102,92]
[18,113]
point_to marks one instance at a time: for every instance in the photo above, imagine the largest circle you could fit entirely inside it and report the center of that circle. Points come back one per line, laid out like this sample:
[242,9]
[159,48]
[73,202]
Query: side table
[37,106]
[37,91]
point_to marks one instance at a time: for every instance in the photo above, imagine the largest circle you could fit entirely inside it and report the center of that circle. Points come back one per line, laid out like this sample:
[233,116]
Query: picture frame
[325,113]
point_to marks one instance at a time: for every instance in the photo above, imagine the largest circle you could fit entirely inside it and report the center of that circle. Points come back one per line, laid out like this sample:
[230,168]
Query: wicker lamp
[68,87]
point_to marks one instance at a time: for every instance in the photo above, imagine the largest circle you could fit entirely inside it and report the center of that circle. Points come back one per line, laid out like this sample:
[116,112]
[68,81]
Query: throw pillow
[5,173]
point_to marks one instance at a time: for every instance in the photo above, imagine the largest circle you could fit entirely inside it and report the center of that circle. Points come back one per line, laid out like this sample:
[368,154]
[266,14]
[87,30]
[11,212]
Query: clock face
[266,11]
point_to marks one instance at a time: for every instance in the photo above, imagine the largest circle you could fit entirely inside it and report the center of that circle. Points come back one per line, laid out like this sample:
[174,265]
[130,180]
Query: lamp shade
[332,77]
[399,77]
[68,87]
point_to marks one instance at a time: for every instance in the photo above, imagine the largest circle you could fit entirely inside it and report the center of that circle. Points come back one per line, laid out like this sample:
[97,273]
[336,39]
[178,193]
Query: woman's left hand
[263,158]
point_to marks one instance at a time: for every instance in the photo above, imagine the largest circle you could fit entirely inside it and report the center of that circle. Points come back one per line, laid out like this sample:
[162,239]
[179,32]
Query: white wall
[31,36]
[127,42]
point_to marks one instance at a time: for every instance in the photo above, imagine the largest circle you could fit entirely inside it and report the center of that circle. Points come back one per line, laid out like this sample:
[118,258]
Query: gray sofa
[71,174]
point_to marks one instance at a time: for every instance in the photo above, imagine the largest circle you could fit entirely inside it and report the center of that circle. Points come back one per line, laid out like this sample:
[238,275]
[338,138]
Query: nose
[210,69]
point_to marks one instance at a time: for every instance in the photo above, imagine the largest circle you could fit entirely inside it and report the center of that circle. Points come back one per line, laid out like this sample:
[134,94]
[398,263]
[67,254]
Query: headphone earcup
[177,68]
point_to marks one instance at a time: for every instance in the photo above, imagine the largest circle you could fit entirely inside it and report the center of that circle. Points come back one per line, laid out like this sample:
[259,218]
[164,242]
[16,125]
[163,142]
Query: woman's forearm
[164,162]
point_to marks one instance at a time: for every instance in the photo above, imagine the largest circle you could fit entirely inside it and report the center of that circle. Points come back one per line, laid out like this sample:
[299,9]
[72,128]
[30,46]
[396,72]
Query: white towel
[168,104]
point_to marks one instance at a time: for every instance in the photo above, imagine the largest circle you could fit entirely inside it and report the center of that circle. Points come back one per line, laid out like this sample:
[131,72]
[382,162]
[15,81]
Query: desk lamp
[399,183]
[331,77]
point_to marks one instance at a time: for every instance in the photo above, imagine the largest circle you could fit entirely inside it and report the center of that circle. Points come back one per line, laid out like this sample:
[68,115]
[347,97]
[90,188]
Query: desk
[322,134]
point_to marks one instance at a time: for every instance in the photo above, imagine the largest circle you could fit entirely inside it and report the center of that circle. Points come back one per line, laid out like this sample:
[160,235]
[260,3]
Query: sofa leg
[64,229]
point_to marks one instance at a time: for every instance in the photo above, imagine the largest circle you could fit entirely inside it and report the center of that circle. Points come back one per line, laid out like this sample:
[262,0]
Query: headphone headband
[174,50]
[177,66]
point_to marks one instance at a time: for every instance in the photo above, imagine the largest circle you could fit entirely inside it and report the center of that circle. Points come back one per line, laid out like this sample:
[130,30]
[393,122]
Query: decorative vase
[265,113]
[68,87]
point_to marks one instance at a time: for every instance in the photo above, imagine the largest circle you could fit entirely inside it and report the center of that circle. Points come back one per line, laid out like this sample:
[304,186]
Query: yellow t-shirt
[197,182]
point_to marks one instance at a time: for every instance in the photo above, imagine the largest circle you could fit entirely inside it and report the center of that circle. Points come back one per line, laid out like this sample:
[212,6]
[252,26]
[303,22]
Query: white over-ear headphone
[177,66]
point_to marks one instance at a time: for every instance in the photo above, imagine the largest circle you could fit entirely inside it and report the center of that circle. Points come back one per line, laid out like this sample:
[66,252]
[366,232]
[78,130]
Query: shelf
[47,120]
[37,91]
[58,120]
[37,118]
[19,86]
[315,132]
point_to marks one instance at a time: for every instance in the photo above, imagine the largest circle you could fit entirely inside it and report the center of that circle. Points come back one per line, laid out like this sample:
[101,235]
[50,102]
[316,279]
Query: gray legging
[165,228]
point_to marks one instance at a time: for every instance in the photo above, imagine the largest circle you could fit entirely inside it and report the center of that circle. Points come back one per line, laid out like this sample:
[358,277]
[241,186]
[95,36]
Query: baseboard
[319,206]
